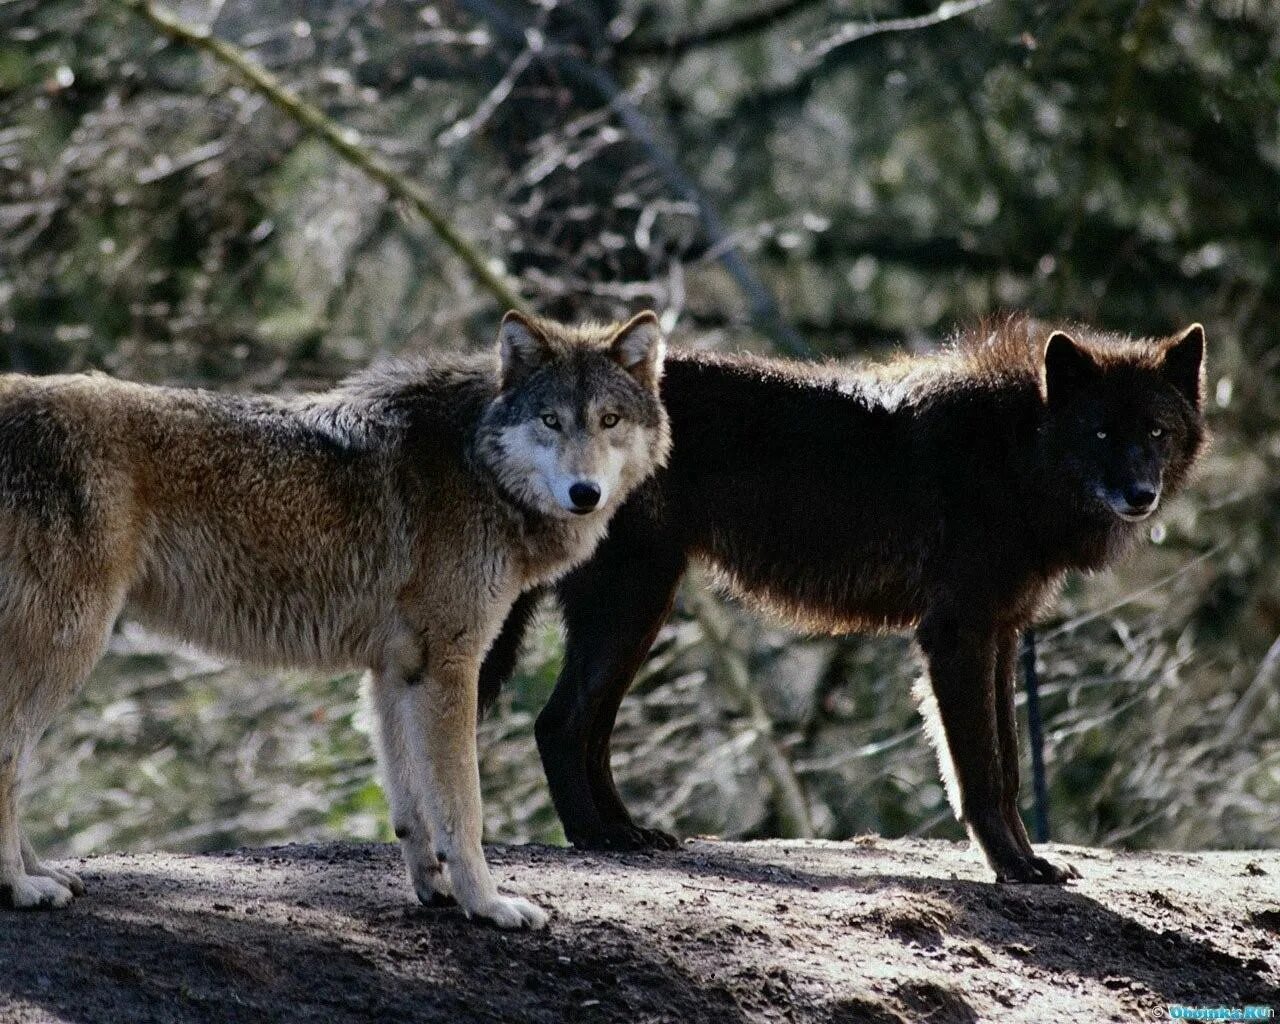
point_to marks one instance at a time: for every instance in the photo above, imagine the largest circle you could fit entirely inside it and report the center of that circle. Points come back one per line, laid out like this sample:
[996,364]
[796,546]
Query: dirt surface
[871,930]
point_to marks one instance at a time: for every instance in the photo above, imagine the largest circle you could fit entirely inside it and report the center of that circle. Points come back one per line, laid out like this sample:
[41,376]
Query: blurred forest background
[811,178]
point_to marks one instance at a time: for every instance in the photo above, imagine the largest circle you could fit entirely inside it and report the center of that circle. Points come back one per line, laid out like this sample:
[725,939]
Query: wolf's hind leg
[390,696]
[53,629]
[962,659]
[443,731]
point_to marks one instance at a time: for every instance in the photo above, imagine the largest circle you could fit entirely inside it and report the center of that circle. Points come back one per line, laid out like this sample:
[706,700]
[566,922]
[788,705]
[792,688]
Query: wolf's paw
[511,912]
[656,839]
[35,892]
[67,879]
[34,866]
[625,837]
[71,880]
[1052,873]
[1035,871]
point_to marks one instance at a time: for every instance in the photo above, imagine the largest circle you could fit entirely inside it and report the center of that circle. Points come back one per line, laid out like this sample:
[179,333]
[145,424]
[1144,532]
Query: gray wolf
[948,493]
[387,524]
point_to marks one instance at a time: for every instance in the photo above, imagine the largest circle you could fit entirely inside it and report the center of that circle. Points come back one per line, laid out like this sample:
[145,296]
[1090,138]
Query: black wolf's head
[1124,420]
[578,421]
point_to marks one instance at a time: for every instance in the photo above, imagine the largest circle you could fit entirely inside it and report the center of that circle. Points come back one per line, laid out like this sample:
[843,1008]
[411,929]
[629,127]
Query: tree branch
[709,35]
[345,142]
[827,55]
[853,32]
[764,307]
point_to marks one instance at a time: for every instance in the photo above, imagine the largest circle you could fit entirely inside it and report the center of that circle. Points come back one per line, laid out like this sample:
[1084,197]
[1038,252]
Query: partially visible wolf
[387,524]
[948,493]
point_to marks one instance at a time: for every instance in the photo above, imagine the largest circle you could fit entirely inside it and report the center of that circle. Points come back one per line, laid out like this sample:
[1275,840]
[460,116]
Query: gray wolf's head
[1125,419]
[578,421]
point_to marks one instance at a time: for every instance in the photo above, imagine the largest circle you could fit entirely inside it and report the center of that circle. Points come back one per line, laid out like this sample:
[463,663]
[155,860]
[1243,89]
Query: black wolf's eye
[1102,435]
[609,419]
[551,420]
[1157,431]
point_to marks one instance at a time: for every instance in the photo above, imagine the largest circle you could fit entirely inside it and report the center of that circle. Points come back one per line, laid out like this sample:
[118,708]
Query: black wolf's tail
[500,662]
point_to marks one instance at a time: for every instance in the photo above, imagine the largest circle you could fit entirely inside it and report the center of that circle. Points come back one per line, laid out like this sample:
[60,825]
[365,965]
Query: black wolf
[948,494]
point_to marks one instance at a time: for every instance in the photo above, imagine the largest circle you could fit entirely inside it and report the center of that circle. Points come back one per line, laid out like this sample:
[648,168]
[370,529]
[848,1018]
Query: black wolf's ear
[639,348]
[1183,364]
[1067,367]
[522,348]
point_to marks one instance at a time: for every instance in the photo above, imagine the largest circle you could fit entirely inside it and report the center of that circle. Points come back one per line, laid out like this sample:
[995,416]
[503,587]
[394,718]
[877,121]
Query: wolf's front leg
[392,700]
[444,731]
[1007,736]
[19,888]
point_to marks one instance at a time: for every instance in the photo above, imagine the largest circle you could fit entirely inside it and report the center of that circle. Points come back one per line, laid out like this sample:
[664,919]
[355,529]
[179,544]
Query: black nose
[584,495]
[1141,496]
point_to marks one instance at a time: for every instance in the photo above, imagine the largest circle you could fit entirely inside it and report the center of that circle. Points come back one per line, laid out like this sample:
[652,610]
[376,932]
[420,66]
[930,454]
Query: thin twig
[468,126]
[1265,682]
[856,31]
[827,55]
[709,35]
[1098,613]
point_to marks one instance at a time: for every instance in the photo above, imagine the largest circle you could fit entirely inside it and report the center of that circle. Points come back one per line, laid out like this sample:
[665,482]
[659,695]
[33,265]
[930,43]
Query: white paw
[35,892]
[64,878]
[511,912]
[70,879]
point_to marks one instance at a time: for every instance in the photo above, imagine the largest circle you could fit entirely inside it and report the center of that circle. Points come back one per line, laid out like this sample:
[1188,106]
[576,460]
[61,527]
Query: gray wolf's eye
[609,419]
[551,420]
[1157,431]
[1102,435]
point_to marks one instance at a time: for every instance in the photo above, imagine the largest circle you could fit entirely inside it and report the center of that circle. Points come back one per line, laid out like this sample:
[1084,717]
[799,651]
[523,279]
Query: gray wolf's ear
[1067,367]
[522,348]
[639,348]
[1183,364]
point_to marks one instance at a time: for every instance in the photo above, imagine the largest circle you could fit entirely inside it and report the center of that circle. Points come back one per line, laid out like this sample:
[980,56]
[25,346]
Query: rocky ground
[871,930]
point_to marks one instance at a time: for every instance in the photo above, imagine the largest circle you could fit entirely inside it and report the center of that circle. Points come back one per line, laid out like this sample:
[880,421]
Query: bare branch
[1073,624]
[764,307]
[826,55]
[1265,683]
[345,142]
[713,34]
[468,126]
[855,31]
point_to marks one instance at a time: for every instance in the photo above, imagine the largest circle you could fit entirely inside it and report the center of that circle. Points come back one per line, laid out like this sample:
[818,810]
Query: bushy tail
[500,662]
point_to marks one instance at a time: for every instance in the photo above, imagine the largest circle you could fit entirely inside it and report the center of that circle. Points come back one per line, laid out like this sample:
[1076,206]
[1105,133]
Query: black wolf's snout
[585,495]
[1142,496]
